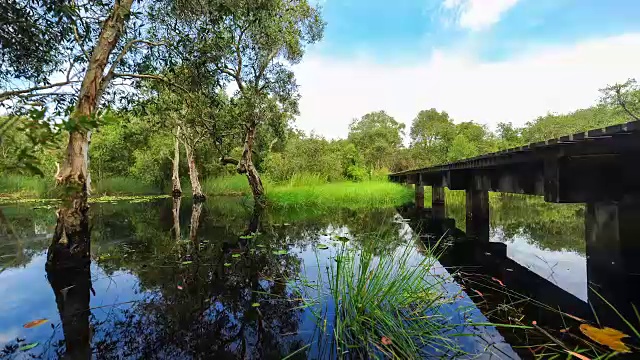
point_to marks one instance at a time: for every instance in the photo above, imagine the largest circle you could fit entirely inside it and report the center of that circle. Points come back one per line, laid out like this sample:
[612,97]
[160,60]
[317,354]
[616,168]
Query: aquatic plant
[379,305]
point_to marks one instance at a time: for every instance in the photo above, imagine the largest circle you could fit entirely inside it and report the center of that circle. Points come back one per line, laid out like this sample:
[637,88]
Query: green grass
[299,191]
[379,306]
[117,186]
[226,185]
[20,186]
[369,194]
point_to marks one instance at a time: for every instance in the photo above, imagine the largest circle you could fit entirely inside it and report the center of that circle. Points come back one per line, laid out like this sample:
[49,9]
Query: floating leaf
[249,236]
[280,252]
[187,262]
[34,323]
[385,341]
[342,238]
[322,247]
[28,347]
[236,255]
[255,304]
[498,281]
[579,356]
[227,264]
[607,336]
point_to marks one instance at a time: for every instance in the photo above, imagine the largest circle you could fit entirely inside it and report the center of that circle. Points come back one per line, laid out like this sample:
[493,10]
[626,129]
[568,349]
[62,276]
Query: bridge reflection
[611,274]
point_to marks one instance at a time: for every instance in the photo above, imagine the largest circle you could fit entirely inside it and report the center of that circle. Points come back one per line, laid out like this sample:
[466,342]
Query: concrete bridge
[599,167]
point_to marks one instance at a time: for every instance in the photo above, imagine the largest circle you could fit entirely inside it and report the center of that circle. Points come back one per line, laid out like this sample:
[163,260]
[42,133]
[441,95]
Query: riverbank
[298,192]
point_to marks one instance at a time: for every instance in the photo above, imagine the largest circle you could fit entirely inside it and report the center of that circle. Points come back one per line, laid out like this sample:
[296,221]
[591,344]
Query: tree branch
[9,94]
[110,73]
[225,160]
[624,105]
[265,65]
[151,77]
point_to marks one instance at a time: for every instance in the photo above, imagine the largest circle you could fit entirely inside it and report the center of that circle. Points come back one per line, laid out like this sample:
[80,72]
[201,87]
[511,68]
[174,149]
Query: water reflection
[543,277]
[174,279]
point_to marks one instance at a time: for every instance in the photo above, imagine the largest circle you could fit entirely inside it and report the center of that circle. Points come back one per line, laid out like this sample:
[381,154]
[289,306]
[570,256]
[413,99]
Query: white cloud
[516,90]
[478,14]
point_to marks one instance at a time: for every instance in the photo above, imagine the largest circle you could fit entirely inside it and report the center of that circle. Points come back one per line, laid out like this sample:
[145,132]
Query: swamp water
[172,279]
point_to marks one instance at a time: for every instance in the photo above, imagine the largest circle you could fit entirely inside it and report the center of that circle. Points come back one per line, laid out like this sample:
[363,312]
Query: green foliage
[461,148]
[376,135]
[431,135]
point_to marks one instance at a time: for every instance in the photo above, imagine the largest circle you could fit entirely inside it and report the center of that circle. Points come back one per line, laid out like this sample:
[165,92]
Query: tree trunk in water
[175,177]
[245,166]
[70,245]
[193,174]
[196,210]
[176,217]
[71,288]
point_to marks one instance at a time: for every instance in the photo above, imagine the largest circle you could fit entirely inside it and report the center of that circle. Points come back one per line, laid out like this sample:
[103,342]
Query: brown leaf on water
[606,336]
[385,341]
[34,323]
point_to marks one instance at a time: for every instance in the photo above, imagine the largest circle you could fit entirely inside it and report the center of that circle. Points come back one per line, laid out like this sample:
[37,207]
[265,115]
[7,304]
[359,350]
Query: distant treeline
[128,145]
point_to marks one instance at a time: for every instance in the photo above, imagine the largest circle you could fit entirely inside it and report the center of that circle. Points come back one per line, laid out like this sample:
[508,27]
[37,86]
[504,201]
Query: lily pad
[280,252]
[187,262]
[341,238]
[249,236]
[322,247]
[255,304]
[227,264]
[236,255]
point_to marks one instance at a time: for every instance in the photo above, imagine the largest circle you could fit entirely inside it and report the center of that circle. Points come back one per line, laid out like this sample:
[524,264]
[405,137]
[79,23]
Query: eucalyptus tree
[60,59]
[252,45]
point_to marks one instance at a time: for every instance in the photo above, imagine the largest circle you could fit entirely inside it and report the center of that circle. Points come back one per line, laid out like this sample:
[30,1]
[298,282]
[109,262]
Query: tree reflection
[218,298]
[71,288]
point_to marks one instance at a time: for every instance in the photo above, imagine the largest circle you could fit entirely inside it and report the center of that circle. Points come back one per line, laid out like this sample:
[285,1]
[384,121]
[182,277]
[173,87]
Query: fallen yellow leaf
[34,323]
[607,336]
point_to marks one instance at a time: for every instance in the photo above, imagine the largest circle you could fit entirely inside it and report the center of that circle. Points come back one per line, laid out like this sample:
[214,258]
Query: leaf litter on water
[28,346]
[34,323]
[606,336]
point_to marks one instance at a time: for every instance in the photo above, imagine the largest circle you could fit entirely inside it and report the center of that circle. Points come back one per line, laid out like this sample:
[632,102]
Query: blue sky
[413,28]
[484,60]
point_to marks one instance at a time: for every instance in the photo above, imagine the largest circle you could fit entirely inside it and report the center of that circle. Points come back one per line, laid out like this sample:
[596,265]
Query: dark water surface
[177,280]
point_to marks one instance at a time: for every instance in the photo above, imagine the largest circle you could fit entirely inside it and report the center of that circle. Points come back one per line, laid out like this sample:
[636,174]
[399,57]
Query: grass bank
[20,187]
[298,191]
[308,191]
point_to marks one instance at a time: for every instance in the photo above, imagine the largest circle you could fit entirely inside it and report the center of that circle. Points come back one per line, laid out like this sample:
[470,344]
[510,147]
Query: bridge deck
[596,165]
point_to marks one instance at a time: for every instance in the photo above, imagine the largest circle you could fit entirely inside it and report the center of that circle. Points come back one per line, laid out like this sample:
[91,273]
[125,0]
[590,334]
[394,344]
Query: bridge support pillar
[613,256]
[438,202]
[419,200]
[478,214]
